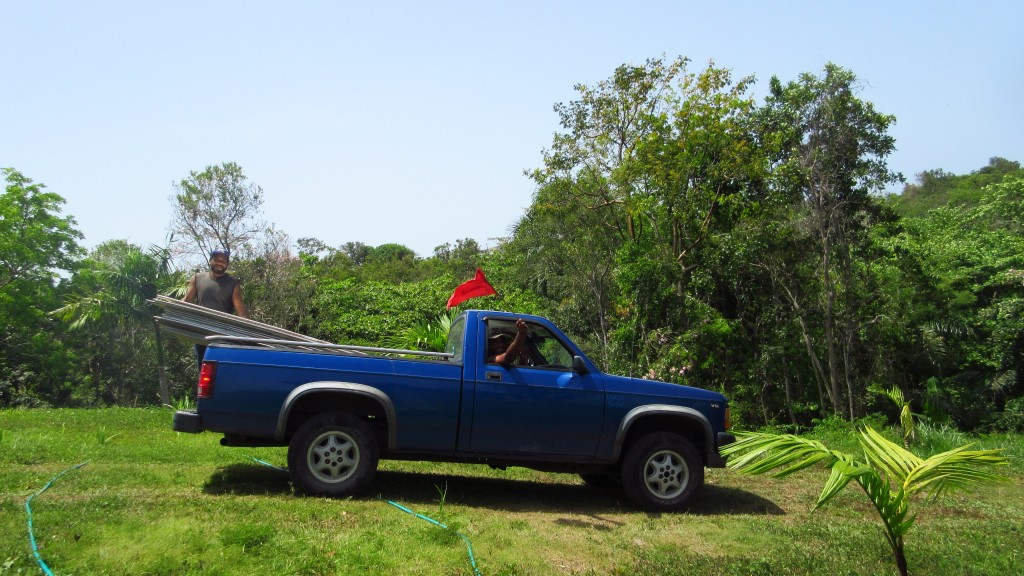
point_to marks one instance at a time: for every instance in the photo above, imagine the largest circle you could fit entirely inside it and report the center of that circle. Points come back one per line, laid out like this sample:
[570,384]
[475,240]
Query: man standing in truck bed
[216,290]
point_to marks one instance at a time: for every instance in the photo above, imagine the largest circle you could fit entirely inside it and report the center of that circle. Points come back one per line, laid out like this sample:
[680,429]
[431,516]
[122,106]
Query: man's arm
[516,347]
[190,294]
[236,301]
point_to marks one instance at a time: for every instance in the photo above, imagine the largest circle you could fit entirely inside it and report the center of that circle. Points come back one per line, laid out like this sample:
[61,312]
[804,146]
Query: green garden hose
[28,510]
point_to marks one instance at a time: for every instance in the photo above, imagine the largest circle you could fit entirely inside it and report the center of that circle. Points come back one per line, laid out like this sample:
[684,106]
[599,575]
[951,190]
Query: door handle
[494,376]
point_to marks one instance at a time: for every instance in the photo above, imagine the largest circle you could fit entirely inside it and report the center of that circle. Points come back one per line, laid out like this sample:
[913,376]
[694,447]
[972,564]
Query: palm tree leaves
[759,453]
[114,290]
[888,473]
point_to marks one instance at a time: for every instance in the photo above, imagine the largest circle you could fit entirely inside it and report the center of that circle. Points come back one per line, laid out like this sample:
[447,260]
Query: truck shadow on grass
[514,495]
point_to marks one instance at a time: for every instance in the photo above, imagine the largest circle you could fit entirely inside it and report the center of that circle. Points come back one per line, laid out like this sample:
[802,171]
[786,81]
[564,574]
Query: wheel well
[688,428]
[364,407]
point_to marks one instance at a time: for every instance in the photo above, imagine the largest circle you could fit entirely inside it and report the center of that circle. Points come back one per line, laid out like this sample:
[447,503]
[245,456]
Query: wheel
[661,471]
[333,454]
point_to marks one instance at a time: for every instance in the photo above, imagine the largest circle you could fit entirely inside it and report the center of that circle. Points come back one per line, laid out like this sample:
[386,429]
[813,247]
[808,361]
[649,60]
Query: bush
[1011,419]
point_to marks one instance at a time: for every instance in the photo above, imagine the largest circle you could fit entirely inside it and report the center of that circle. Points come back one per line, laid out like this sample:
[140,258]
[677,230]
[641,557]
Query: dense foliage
[679,230]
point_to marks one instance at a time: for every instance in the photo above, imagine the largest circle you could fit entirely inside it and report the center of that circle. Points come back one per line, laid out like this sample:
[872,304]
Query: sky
[413,121]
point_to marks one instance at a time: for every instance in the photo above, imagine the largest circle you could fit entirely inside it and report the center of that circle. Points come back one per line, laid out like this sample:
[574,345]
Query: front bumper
[188,421]
[716,460]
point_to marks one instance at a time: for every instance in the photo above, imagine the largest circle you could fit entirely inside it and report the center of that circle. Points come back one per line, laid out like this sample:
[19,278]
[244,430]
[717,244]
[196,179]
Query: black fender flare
[339,388]
[636,414]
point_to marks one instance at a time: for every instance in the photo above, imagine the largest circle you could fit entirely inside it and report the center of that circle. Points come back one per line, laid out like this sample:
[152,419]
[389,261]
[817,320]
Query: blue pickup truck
[340,409]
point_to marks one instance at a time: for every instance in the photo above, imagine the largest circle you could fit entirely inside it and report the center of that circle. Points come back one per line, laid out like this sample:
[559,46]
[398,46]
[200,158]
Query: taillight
[206,376]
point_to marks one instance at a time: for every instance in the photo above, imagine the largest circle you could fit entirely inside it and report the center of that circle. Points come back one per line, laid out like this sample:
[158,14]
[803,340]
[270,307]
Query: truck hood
[641,386]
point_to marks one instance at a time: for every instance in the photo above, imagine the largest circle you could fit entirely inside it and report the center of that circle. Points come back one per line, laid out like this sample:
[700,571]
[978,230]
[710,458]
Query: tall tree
[35,240]
[833,158]
[654,161]
[217,208]
[36,244]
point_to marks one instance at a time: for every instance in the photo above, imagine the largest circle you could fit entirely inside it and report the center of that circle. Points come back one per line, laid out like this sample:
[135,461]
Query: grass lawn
[153,501]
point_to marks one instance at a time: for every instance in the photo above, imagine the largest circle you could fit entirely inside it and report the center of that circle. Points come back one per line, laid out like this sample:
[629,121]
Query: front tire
[661,472]
[333,454]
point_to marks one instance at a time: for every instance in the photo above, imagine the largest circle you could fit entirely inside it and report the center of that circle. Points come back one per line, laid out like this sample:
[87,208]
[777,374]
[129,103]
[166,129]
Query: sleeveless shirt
[215,293]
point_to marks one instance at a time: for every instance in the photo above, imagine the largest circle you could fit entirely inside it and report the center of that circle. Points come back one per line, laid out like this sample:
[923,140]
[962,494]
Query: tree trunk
[901,559]
[789,395]
[834,380]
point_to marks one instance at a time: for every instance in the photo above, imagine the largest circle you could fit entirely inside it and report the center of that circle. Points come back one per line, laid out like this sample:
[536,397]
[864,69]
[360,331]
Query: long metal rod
[326,346]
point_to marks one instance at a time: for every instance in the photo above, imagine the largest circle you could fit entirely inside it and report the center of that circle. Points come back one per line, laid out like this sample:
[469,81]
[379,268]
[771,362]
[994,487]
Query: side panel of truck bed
[252,386]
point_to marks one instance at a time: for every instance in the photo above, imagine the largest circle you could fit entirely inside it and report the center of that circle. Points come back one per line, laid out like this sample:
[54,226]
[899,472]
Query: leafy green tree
[217,207]
[460,260]
[936,188]
[562,252]
[36,244]
[650,164]
[832,150]
[888,474]
[971,302]
[275,288]
[35,241]
[370,312]
[107,308]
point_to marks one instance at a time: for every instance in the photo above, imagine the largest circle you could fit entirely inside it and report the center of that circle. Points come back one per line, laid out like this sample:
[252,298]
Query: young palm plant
[889,474]
[426,335]
[906,416]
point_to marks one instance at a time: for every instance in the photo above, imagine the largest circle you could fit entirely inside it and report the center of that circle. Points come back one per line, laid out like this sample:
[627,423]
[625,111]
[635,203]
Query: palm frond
[894,460]
[843,470]
[956,469]
[83,310]
[758,453]
[896,395]
[887,464]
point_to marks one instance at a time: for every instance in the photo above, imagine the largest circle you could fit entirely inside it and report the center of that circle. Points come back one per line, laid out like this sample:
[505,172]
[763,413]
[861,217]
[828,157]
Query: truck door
[538,404]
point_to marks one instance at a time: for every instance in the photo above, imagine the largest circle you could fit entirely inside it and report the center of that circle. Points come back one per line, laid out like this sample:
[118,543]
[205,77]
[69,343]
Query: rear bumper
[188,421]
[716,460]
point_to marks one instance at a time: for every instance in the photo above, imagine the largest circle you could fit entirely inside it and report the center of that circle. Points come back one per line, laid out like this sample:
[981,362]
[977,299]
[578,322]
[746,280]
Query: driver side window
[542,349]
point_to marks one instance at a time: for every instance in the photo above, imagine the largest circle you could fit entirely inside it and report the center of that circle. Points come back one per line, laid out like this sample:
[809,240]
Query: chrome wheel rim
[666,474]
[333,457]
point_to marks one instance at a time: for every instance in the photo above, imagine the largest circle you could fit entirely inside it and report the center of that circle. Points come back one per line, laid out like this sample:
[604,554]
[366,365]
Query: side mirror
[578,366]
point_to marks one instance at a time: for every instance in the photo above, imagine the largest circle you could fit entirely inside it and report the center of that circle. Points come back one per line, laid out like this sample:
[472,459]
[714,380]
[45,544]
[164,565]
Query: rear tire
[661,472]
[333,454]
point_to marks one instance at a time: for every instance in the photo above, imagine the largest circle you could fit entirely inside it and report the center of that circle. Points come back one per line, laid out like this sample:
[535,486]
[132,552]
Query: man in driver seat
[503,349]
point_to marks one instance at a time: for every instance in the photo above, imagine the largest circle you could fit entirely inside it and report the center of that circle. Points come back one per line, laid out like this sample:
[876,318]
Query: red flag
[478,286]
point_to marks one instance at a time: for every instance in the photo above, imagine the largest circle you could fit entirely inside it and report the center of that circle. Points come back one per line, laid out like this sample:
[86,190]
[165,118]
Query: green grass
[152,501]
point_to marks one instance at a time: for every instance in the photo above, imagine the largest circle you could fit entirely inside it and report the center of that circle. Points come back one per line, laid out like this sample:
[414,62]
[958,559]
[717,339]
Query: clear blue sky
[412,122]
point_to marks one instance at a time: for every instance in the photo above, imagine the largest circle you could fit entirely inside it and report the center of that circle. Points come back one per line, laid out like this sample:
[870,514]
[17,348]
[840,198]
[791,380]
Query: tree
[276,291]
[889,474]
[460,260]
[832,148]
[650,163]
[217,208]
[36,243]
[108,306]
[562,251]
